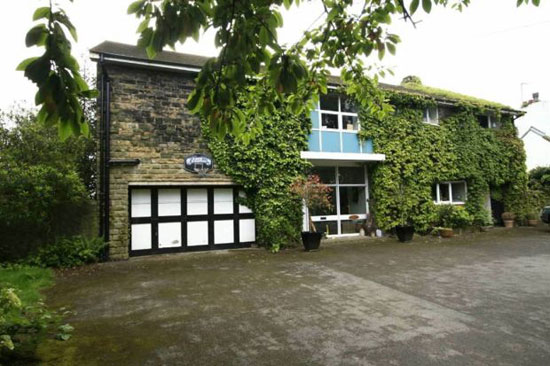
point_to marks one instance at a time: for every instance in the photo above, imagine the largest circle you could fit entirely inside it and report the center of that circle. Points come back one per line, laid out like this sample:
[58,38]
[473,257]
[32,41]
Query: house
[534,130]
[161,190]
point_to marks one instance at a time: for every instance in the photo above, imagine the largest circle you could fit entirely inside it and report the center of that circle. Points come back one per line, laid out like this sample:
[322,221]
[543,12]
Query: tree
[246,33]
[45,184]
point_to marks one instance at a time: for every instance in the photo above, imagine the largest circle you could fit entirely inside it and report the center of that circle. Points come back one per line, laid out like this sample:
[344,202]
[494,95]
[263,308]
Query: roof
[537,132]
[119,52]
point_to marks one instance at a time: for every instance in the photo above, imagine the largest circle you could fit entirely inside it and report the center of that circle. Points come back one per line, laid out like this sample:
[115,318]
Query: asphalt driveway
[480,299]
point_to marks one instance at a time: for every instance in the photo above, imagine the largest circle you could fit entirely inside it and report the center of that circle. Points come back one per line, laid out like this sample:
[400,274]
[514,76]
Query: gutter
[105,151]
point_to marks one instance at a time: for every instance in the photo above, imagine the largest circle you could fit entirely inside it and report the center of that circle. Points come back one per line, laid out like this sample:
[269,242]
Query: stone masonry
[149,121]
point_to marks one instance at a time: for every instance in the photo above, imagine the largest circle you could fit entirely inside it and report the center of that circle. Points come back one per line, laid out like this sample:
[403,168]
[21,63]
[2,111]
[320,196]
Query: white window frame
[340,128]
[338,217]
[426,116]
[450,185]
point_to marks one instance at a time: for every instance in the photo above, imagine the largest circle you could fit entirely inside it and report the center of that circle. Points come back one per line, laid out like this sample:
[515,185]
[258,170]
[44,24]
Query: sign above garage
[198,163]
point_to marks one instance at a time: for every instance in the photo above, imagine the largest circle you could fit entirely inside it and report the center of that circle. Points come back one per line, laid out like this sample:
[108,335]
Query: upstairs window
[454,193]
[488,121]
[431,116]
[338,113]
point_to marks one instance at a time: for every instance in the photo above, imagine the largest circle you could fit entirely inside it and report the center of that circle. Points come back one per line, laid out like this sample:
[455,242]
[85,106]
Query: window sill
[458,203]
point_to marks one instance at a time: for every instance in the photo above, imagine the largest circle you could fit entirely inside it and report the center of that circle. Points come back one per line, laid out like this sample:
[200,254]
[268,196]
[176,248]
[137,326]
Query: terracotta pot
[446,233]
[508,224]
[532,222]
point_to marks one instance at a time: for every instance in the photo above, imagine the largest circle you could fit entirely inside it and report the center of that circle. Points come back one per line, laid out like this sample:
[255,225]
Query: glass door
[349,200]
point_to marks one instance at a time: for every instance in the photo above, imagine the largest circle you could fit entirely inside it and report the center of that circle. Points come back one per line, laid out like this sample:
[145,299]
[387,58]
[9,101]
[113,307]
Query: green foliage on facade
[265,168]
[418,155]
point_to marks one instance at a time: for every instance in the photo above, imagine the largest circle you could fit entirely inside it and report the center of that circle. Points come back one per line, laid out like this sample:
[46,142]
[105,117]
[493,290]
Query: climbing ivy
[265,168]
[418,155]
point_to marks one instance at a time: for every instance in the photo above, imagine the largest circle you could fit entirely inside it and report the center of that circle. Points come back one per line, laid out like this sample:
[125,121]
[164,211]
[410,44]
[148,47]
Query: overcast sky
[488,51]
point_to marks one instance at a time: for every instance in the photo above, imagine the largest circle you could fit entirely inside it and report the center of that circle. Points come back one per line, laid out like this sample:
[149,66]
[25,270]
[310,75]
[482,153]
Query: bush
[43,189]
[483,218]
[508,216]
[455,217]
[70,252]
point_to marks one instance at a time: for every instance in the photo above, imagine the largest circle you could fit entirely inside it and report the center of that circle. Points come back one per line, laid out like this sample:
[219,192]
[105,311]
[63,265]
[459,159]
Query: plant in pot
[453,217]
[508,218]
[316,196]
[532,219]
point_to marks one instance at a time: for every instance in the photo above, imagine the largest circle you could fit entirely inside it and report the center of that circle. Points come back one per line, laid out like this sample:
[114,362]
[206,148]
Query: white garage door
[172,219]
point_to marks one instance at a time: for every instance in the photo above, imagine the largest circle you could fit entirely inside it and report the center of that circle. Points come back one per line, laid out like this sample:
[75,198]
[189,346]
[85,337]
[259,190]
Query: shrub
[451,216]
[483,218]
[508,216]
[43,189]
[70,252]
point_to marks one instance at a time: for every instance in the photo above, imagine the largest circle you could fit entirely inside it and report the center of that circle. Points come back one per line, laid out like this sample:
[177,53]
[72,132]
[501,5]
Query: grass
[27,280]
[454,96]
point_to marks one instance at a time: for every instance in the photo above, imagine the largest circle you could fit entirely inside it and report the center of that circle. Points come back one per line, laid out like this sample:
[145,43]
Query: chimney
[535,97]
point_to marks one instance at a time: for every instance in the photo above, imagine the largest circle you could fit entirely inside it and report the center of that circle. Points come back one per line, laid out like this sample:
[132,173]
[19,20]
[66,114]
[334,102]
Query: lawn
[23,318]
[27,281]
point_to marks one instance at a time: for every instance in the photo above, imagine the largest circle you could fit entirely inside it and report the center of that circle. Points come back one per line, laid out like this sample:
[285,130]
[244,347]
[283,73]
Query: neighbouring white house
[534,130]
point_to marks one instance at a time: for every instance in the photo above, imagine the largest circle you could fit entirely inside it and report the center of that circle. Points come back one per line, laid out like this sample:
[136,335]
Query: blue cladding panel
[314,141]
[351,142]
[367,147]
[331,141]
[314,115]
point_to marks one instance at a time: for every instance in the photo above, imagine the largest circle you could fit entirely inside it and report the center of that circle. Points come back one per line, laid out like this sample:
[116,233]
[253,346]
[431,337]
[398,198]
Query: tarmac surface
[476,299]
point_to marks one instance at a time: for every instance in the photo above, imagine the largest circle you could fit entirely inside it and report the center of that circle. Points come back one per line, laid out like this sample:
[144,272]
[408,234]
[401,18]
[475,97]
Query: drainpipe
[105,146]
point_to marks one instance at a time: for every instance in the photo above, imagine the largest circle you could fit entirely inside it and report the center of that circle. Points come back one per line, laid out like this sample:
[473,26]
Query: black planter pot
[404,233]
[311,240]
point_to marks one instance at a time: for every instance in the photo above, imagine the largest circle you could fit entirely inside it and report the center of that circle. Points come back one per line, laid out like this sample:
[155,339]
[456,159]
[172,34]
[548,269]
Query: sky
[491,50]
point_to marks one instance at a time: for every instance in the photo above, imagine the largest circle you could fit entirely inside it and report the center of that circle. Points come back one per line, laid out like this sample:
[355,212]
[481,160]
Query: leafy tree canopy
[246,34]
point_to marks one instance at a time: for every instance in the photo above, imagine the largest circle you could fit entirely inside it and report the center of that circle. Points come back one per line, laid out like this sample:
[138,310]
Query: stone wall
[149,122]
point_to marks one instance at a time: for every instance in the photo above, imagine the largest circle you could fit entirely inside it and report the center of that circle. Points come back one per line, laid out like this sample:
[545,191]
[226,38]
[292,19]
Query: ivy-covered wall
[418,155]
[265,168]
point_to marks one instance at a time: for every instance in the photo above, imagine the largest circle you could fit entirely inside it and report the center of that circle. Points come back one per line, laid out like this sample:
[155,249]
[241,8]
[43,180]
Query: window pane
[350,123]
[350,227]
[329,102]
[326,174]
[352,200]
[328,227]
[434,192]
[315,211]
[348,105]
[483,121]
[433,115]
[351,175]
[329,121]
[459,192]
[444,192]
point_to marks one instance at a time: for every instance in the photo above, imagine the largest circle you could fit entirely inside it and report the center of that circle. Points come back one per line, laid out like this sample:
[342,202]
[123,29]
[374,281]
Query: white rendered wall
[537,150]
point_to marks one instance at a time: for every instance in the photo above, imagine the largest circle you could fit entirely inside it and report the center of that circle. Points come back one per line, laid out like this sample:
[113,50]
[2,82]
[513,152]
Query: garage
[169,219]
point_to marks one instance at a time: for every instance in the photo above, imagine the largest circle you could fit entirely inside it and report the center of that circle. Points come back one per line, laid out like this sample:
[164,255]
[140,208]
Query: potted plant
[532,219]
[508,218]
[315,195]
[453,217]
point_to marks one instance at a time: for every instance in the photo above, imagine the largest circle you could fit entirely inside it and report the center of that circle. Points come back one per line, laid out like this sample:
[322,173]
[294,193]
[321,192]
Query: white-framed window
[431,115]
[338,112]
[454,193]
[349,198]
[489,121]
